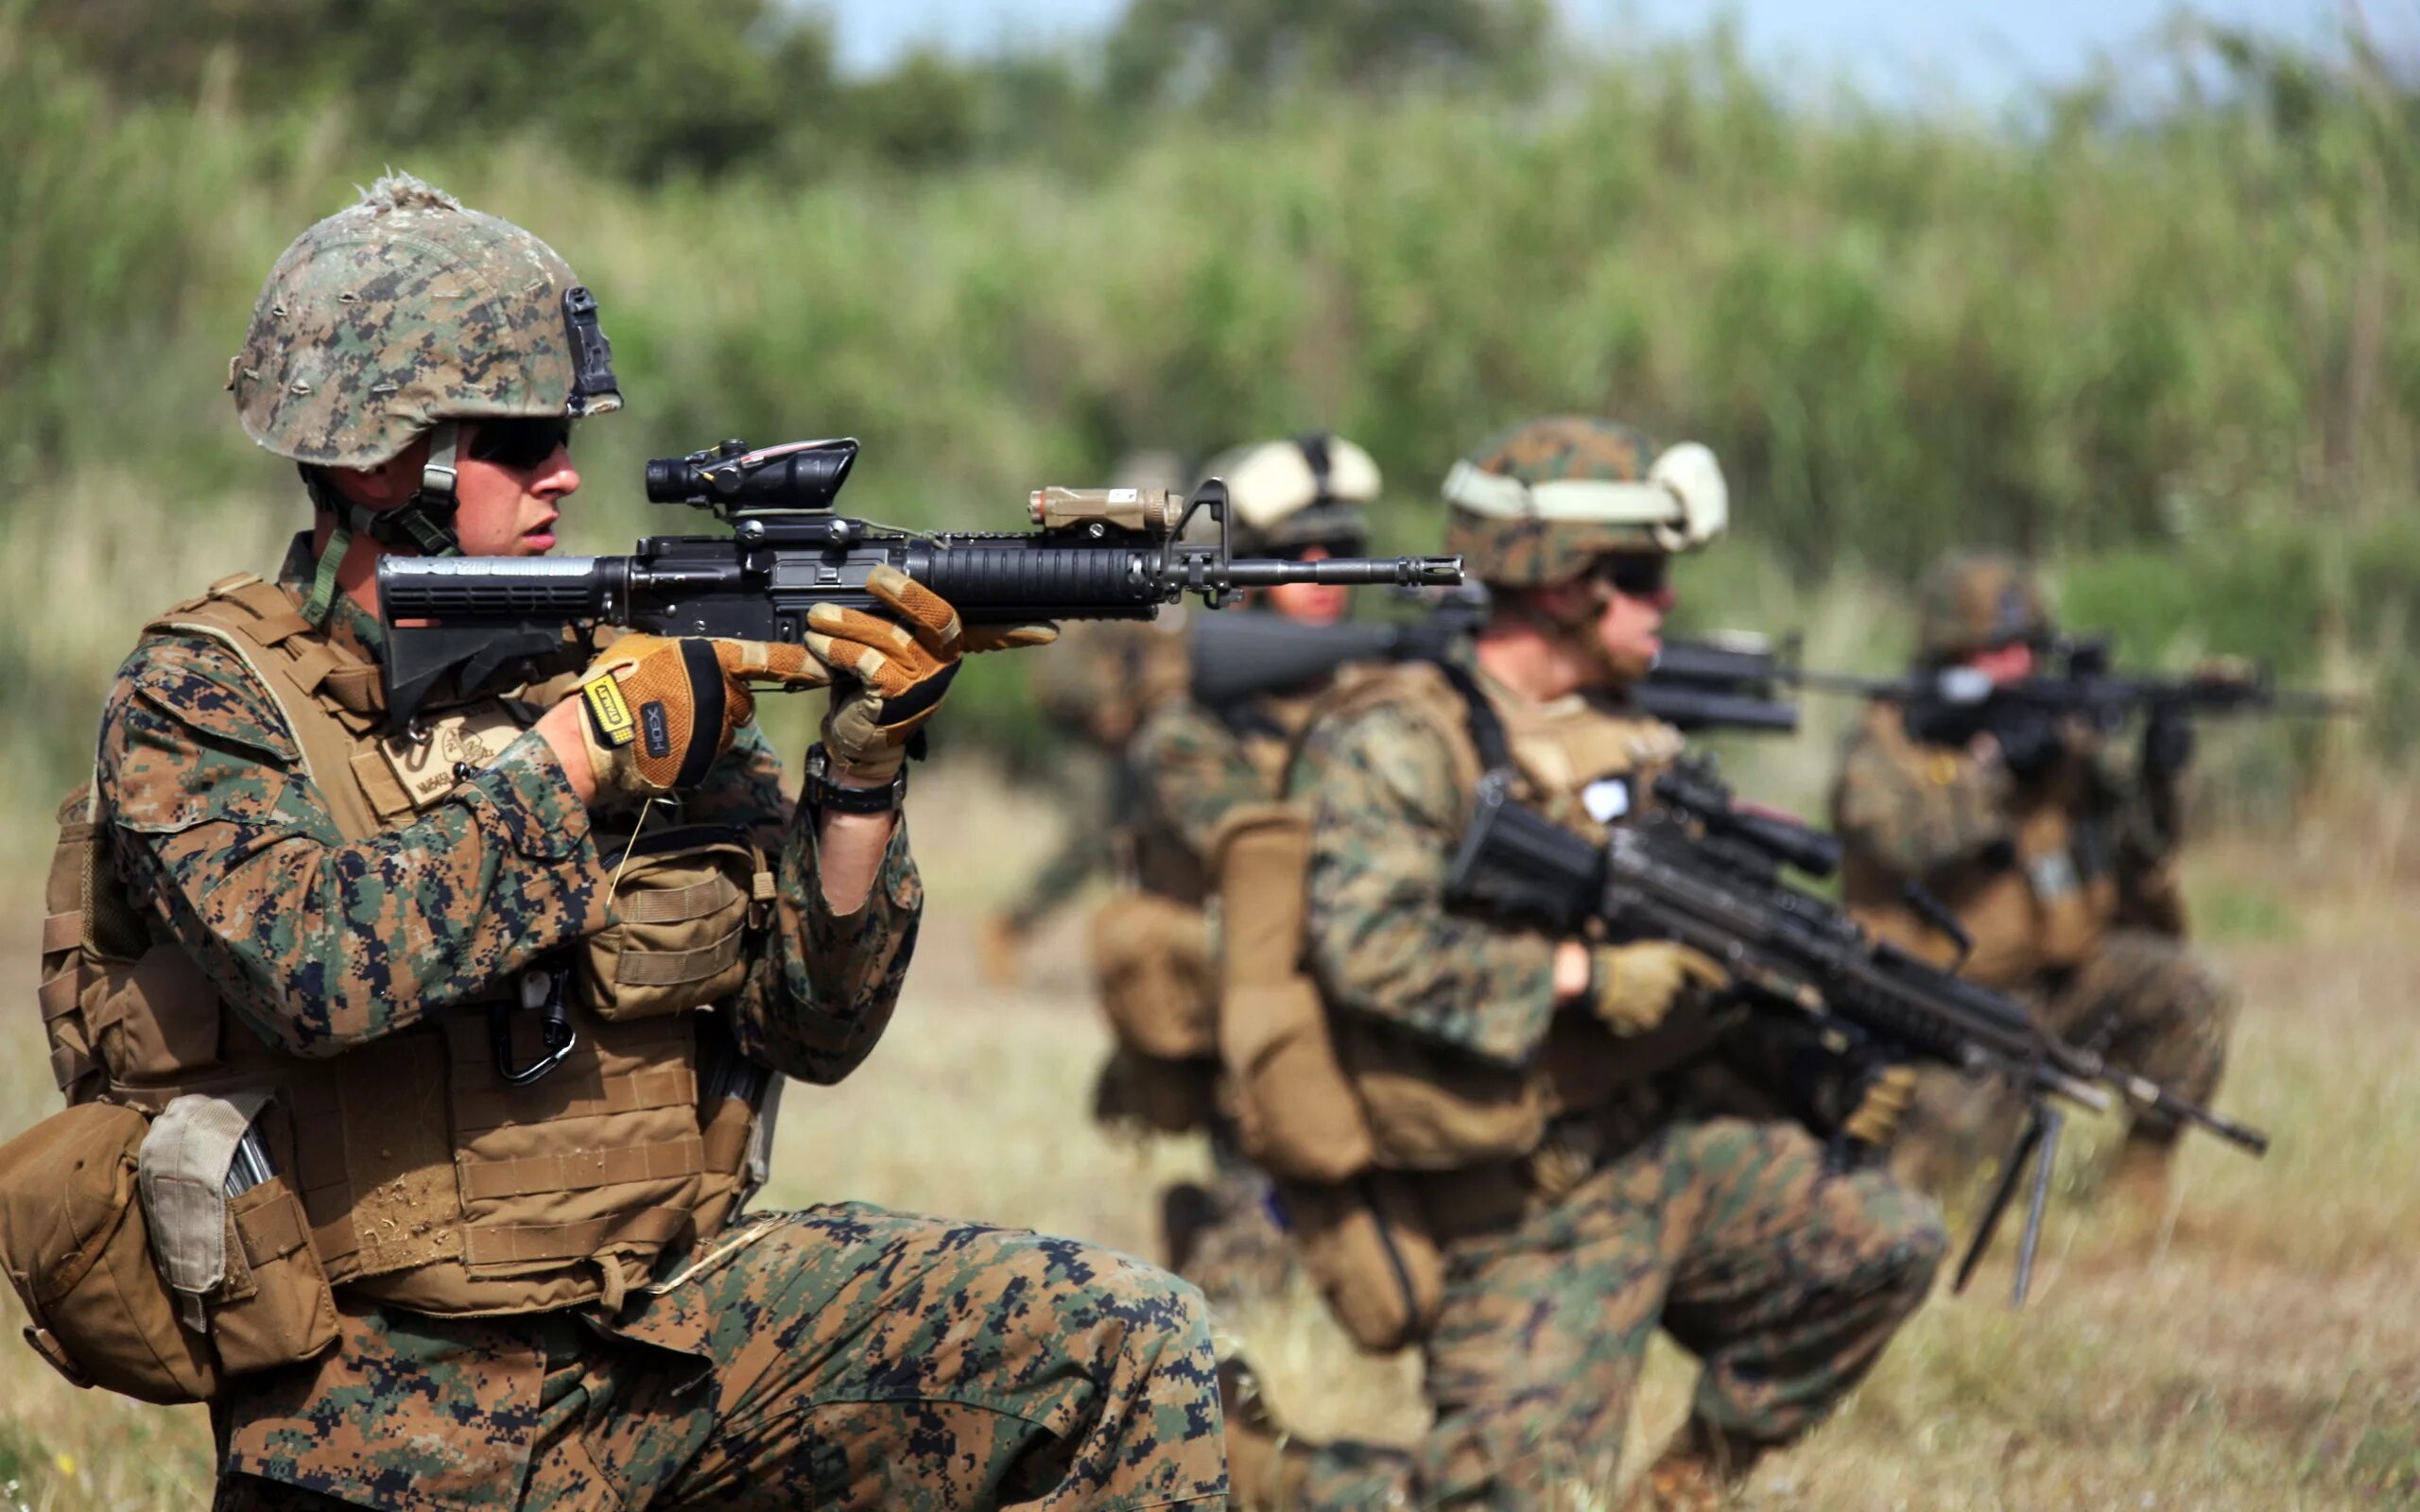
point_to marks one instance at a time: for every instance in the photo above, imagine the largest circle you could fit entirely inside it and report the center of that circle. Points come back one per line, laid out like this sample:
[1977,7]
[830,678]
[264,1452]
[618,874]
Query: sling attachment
[543,992]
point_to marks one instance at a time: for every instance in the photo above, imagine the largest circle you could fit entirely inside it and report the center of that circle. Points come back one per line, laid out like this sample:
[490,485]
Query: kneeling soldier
[1546,1160]
[2054,847]
[459,1048]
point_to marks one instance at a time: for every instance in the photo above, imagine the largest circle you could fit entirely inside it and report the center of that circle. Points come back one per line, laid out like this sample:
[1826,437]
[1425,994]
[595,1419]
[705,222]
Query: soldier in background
[2054,846]
[1094,689]
[1189,766]
[502,1026]
[1513,1164]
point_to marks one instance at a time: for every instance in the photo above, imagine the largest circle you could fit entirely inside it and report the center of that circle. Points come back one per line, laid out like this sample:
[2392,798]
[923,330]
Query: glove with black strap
[656,712]
[891,670]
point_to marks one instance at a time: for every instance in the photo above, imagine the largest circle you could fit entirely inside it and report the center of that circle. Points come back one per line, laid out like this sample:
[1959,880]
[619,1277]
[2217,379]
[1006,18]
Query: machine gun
[473,623]
[1950,704]
[1698,869]
[1726,682]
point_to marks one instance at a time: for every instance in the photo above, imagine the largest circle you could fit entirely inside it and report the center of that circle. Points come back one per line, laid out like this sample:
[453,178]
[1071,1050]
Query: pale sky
[1974,49]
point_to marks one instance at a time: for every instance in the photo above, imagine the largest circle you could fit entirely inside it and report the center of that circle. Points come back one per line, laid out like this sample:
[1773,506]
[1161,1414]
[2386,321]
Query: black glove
[2168,743]
[2030,740]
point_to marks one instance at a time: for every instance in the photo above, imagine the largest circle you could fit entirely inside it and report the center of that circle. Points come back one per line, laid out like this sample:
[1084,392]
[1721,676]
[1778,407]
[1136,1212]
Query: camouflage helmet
[1976,601]
[1312,490]
[1536,504]
[407,310]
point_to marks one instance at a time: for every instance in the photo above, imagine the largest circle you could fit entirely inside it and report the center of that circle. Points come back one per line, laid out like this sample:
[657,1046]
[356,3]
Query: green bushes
[2151,345]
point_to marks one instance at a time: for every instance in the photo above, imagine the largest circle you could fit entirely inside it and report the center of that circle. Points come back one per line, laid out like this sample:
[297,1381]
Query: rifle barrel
[1356,572]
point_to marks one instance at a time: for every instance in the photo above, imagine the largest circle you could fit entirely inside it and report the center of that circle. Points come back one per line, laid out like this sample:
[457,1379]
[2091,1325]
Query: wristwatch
[823,792]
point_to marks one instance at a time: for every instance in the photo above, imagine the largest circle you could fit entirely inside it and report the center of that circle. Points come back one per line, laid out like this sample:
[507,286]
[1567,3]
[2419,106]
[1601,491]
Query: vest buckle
[543,992]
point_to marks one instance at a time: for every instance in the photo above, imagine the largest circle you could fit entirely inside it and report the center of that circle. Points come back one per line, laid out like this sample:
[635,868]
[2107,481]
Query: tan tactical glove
[895,668]
[655,712]
[1632,986]
[1875,1121]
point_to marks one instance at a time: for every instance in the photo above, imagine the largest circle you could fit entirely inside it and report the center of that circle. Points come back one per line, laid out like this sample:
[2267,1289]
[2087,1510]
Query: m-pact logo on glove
[608,711]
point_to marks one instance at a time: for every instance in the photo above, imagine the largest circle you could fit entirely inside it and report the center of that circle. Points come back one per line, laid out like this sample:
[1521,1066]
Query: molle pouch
[1368,1246]
[682,902]
[1151,959]
[230,1237]
[65,959]
[1295,1112]
[155,1021]
[1433,1110]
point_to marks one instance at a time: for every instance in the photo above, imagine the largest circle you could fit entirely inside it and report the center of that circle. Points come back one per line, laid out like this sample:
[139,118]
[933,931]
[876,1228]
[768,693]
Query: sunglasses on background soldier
[1635,573]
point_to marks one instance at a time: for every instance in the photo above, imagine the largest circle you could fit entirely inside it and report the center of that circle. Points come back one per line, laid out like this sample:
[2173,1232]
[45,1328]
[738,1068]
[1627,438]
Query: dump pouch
[1368,1246]
[1296,1114]
[682,902]
[78,1253]
[1152,959]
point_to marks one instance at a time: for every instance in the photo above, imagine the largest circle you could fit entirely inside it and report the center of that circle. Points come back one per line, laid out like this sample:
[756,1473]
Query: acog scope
[730,477]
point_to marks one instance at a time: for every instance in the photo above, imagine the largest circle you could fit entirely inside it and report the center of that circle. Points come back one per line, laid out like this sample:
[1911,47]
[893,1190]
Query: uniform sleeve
[1915,809]
[1192,772]
[824,985]
[1387,816]
[317,942]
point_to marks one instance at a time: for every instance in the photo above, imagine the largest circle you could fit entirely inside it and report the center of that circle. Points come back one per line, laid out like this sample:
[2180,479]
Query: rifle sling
[1486,727]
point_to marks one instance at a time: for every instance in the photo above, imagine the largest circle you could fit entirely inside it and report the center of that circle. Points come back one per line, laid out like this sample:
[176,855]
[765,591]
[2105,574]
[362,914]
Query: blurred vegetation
[2141,327]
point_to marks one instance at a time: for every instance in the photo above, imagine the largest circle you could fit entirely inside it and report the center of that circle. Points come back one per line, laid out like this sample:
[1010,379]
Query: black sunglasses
[1636,574]
[520,445]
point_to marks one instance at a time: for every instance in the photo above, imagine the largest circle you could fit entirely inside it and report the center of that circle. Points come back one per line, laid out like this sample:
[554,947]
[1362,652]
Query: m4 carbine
[1698,869]
[469,624]
[2083,683]
[1724,683]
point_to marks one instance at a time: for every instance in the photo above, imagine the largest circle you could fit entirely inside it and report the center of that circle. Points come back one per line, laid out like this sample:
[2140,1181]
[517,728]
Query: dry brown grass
[2257,1348]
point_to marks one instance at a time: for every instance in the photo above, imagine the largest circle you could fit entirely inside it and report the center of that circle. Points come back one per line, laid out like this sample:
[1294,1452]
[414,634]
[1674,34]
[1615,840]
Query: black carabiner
[542,989]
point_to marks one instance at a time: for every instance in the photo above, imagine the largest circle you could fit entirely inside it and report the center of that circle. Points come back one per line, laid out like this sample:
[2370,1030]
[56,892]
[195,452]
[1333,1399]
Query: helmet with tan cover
[1976,601]
[1535,504]
[399,316]
[1313,491]
[407,310]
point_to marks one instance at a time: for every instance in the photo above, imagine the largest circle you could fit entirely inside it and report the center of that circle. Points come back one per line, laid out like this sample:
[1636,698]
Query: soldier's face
[1630,631]
[1311,603]
[511,485]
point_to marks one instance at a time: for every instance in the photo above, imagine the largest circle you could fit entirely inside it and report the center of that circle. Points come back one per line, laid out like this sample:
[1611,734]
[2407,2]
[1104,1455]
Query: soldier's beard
[1580,629]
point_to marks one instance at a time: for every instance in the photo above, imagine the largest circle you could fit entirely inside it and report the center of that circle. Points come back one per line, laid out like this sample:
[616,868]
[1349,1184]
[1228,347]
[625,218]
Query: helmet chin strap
[423,524]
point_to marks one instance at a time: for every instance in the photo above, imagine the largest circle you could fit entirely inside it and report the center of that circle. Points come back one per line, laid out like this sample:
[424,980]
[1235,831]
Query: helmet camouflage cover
[1312,490]
[406,310]
[1536,504]
[1976,601]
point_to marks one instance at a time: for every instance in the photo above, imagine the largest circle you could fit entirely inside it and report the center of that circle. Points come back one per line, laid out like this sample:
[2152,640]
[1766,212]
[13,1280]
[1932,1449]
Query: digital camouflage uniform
[1188,766]
[2064,876]
[842,1356]
[2134,991]
[1646,1203]
[1785,1278]
[838,1356]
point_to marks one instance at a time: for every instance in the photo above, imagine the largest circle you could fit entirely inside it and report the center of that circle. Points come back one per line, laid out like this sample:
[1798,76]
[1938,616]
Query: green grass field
[2255,1348]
